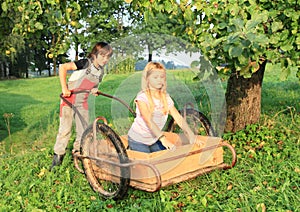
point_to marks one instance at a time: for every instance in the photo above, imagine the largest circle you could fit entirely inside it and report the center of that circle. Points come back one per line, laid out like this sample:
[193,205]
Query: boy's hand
[66,93]
[95,91]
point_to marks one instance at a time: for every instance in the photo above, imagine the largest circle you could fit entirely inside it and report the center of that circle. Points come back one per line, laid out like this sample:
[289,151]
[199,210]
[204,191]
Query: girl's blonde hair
[149,69]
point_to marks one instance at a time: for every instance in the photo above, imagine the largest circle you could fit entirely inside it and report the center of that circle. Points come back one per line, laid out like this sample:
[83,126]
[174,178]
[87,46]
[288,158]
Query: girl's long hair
[101,48]
[150,67]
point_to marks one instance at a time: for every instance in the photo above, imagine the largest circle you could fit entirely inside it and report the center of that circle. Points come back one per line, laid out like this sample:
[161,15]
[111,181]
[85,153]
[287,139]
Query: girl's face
[101,60]
[156,80]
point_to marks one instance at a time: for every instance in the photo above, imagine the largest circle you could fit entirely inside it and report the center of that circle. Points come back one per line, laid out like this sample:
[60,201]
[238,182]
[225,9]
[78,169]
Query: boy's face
[101,60]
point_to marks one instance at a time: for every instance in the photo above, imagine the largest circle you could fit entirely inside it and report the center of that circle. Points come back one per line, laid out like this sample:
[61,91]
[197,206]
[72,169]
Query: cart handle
[102,94]
[234,158]
[119,100]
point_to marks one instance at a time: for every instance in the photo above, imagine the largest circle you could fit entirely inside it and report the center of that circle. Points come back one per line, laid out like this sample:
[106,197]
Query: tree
[243,35]
[10,43]
[37,19]
[154,32]
[51,27]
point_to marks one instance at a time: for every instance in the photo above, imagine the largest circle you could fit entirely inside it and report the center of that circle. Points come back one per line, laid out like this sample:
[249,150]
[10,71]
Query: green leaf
[242,59]
[146,4]
[188,14]
[263,16]
[234,38]
[4,7]
[251,24]
[38,25]
[146,15]
[297,40]
[271,55]
[204,202]
[274,38]
[287,47]
[284,73]
[276,26]
[222,25]
[52,2]
[245,43]
[76,6]
[168,6]
[198,6]
[58,16]
[262,39]
[61,51]
[235,51]
[237,22]
[251,36]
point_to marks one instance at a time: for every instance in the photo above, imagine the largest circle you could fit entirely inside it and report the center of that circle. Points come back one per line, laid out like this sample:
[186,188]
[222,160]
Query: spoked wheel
[196,120]
[102,156]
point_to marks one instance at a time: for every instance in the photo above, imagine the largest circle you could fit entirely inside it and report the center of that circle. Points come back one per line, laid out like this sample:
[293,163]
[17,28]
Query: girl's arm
[147,117]
[184,126]
[63,69]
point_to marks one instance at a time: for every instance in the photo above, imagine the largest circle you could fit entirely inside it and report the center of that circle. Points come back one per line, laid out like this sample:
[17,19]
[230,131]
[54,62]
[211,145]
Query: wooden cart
[110,168]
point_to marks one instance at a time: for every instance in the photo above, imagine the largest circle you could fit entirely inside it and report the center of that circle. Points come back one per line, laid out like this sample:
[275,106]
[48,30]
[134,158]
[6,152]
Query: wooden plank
[182,167]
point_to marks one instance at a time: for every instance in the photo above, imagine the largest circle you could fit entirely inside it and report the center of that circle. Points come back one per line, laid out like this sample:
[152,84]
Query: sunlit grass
[265,178]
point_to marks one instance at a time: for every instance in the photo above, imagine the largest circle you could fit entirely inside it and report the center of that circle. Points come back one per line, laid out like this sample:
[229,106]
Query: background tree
[32,21]
[154,32]
[242,35]
[10,42]
[51,27]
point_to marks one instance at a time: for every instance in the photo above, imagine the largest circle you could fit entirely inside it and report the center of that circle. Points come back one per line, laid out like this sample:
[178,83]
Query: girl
[87,75]
[153,106]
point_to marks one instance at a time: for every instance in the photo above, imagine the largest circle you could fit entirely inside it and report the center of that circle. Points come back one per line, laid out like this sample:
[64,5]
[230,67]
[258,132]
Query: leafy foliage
[44,31]
[237,33]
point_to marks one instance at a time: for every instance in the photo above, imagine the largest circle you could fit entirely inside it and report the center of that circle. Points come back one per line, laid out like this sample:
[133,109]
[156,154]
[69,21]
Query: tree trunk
[54,66]
[243,99]
[54,58]
[149,52]
[76,45]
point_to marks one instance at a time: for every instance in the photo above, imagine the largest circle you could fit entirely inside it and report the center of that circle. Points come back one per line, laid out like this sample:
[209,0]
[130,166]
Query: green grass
[265,178]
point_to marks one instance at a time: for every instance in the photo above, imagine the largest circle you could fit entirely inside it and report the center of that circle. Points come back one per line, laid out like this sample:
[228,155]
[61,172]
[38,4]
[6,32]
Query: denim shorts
[138,146]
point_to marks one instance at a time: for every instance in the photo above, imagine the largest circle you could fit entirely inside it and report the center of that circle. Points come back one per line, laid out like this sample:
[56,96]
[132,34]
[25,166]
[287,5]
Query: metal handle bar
[83,122]
[119,100]
[102,94]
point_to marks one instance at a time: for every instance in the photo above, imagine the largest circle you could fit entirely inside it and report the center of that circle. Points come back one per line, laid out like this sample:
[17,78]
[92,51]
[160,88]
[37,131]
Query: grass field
[266,177]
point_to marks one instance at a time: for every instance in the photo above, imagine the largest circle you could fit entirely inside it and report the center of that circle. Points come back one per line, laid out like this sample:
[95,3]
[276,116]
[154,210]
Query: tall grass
[266,177]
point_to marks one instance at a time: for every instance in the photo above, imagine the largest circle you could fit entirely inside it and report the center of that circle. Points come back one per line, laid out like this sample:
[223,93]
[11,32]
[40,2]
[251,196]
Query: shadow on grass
[14,103]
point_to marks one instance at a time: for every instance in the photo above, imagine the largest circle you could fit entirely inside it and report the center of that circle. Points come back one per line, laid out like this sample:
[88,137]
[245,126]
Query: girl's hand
[169,145]
[199,141]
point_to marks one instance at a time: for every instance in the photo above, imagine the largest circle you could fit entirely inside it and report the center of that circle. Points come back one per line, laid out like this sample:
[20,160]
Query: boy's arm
[63,69]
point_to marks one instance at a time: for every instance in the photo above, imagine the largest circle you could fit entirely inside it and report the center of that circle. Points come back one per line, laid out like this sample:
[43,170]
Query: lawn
[265,178]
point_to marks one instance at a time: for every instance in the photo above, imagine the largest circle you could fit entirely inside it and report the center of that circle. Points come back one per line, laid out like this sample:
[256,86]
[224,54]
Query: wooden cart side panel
[176,167]
[183,166]
[175,170]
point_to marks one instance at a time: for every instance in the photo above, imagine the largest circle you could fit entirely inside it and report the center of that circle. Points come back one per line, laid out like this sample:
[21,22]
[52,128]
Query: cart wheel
[99,154]
[196,120]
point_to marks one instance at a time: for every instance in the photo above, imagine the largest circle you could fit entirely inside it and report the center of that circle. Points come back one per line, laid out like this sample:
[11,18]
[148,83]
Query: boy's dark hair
[102,48]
